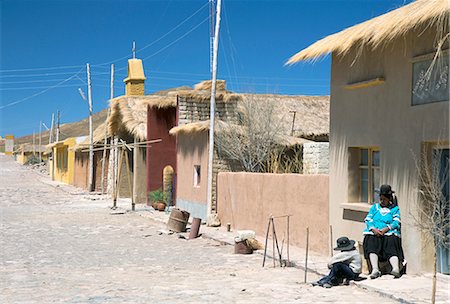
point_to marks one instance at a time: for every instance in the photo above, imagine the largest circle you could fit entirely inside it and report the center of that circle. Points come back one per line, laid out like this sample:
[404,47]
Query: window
[430,79]
[369,177]
[197,175]
[364,174]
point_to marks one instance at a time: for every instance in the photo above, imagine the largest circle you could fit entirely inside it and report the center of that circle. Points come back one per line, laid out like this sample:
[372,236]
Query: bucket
[242,247]
[195,227]
[178,220]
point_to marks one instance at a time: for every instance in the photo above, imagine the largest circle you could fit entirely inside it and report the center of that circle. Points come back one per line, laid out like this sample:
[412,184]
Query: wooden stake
[117,179]
[276,243]
[130,187]
[267,240]
[331,240]
[273,243]
[307,248]
[288,261]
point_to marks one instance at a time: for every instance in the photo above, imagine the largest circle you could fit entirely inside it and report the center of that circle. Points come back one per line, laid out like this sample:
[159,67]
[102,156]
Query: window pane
[364,185]
[376,158]
[364,157]
[376,185]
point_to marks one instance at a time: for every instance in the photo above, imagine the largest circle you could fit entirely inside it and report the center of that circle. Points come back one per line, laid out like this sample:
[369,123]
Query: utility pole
[40,141]
[91,134]
[293,122]
[34,144]
[58,117]
[50,137]
[111,96]
[212,111]
[211,35]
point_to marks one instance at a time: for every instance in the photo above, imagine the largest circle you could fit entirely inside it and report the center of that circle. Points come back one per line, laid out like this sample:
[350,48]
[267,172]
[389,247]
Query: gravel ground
[62,245]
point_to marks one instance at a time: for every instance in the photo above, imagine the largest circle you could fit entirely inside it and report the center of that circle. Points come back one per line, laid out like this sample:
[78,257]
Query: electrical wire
[157,40]
[42,69]
[41,92]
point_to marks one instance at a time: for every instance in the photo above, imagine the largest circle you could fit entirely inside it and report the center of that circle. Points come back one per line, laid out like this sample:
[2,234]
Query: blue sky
[45,46]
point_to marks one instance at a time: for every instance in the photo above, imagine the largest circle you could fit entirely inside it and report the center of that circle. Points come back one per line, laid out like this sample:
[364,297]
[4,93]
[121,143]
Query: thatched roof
[191,128]
[379,31]
[129,113]
[312,113]
[27,148]
[203,126]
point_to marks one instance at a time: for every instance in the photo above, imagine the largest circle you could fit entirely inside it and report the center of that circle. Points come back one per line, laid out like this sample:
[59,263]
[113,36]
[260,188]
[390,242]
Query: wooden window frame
[370,168]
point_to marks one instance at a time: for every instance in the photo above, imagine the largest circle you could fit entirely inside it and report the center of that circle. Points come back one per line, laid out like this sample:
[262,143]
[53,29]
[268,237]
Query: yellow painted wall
[64,161]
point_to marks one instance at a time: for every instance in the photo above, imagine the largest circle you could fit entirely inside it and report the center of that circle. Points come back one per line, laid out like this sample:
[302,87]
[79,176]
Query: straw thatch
[29,148]
[203,126]
[381,30]
[129,113]
[207,84]
[191,128]
[312,117]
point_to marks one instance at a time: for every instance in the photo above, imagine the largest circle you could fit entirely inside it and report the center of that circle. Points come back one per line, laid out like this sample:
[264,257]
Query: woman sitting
[382,234]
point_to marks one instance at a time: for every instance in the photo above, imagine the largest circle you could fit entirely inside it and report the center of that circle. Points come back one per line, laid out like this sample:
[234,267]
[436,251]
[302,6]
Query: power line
[39,93]
[35,75]
[100,64]
[30,81]
[42,69]
[42,87]
[173,42]
[160,38]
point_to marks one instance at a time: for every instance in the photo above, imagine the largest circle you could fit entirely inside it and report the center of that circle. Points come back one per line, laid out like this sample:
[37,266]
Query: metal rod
[306,259]
[267,240]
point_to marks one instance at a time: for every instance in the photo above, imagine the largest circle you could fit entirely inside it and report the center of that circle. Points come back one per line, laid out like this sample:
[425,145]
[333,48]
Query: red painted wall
[161,154]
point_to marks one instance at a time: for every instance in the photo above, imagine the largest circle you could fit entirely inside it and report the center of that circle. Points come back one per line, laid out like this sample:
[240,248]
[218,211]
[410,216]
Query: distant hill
[73,129]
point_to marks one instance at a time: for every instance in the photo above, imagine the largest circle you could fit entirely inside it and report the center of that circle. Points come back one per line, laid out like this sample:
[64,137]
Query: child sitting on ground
[345,265]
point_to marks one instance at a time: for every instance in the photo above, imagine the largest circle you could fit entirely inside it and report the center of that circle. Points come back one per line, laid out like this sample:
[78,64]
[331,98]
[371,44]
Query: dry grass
[381,30]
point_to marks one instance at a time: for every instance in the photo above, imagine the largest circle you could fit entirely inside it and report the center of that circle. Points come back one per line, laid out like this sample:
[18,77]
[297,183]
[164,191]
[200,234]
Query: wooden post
[117,177]
[58,117]
[40,141]
[331,240]
[273,243]
[50,138]
[91,134]
[267,240]
[130,187]
[212,111]
[288,261]
[307,248]
[276,243]
[106,131]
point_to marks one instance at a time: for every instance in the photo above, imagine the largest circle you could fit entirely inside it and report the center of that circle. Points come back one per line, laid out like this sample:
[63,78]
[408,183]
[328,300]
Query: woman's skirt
[384,246]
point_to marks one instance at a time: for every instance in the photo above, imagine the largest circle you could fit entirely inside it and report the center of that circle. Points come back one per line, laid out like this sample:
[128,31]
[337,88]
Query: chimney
[134,83]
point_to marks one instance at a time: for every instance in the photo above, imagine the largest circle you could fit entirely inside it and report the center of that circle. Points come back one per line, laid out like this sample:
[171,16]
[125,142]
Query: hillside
[73,129]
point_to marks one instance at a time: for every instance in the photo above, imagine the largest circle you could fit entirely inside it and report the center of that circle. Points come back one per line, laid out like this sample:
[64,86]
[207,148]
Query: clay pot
[160,206]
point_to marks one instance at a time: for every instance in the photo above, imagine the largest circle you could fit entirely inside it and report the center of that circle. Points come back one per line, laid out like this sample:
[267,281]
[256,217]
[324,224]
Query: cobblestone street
[67,247]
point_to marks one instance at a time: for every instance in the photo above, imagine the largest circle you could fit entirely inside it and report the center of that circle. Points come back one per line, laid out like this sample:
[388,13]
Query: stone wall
[316,158]
[194,109]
